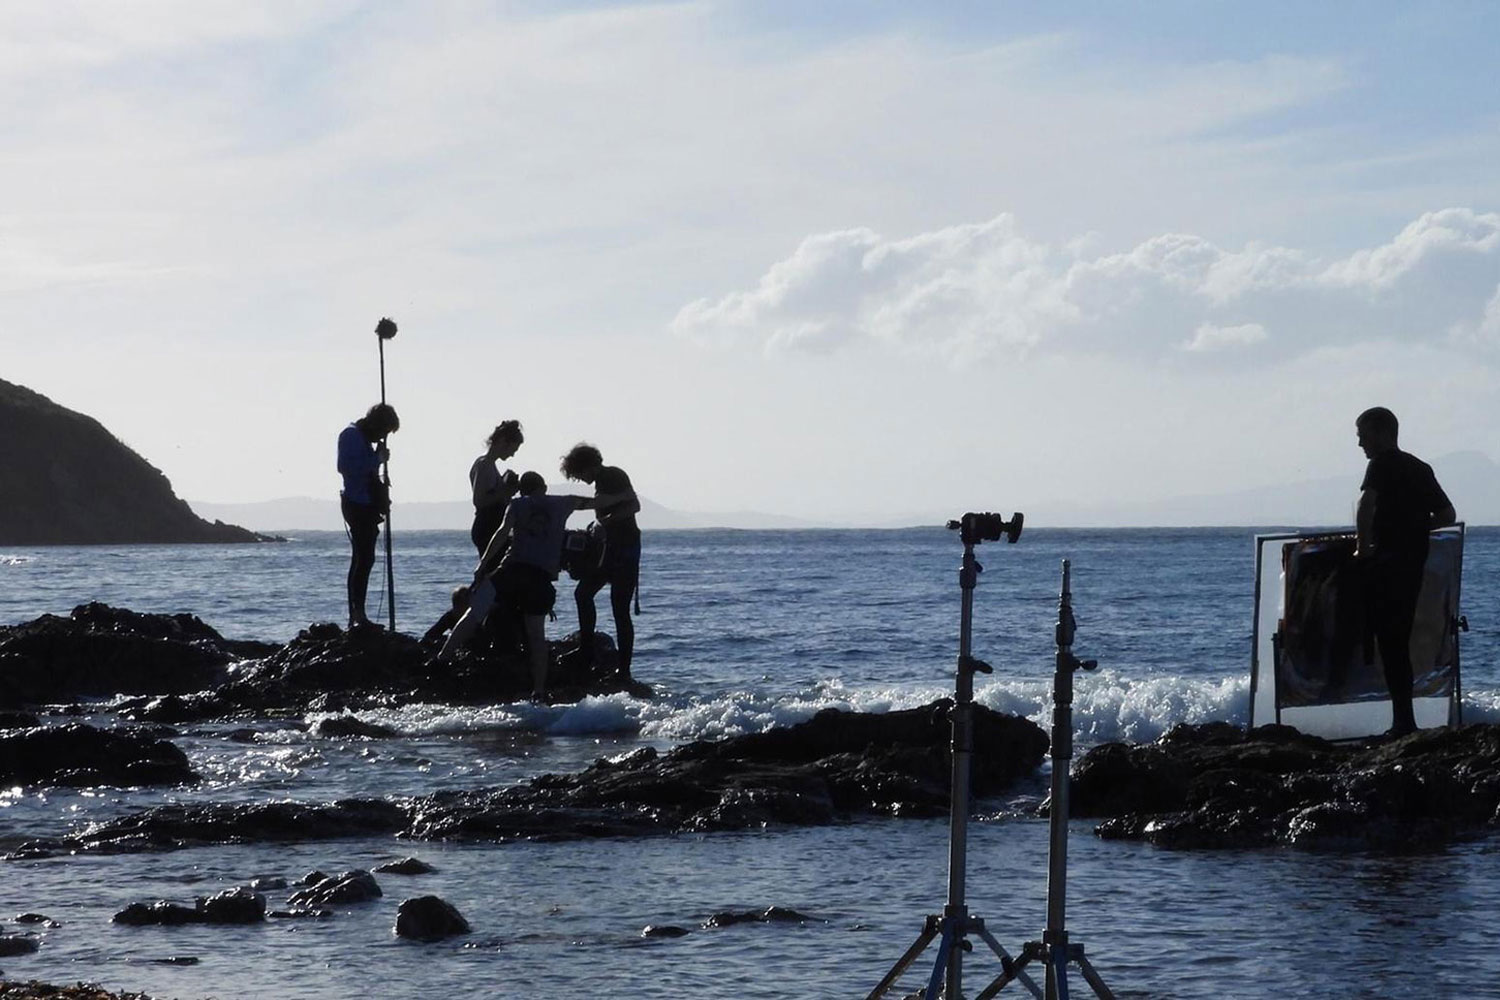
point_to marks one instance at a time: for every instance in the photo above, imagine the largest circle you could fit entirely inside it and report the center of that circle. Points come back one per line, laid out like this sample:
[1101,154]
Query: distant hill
[65,480]
[311,514]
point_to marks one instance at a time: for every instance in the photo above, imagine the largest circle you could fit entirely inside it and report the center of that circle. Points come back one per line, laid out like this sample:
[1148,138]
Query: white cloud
[1209,337]
[966,291]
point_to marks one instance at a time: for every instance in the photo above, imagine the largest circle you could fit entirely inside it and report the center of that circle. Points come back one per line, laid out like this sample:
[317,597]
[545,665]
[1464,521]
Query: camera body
[986,527]
[583,551]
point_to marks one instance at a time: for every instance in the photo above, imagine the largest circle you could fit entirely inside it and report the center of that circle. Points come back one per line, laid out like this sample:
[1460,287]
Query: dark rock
[240,905]
[771,915]
[232,906]
[15,944]
[99,651]
[406,866]
[349,725]
[36,918]
[161,912]
[1217,787]
[265,883]
[312,878]
[664,931]
[429,918]
[78,755]
[834,767]
[357,886]
[18,720]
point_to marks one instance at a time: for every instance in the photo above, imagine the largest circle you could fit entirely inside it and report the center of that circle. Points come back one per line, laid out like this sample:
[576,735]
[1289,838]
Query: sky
[838,261]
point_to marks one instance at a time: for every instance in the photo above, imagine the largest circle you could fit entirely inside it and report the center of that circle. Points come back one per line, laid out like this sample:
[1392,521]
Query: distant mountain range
[1470,477]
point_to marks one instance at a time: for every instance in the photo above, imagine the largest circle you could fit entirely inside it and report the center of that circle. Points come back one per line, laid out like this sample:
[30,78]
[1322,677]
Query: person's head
[1376,429]
[379,420]
[460,597]
[582,462]
[531,484]
[506,439]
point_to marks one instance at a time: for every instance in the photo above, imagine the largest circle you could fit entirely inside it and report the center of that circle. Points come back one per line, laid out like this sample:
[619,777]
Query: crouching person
[532,529]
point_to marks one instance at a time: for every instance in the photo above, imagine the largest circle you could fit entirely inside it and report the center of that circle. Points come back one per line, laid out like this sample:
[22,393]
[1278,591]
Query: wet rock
[429,918]
[265,883]
[17,944]
[160,913]
[78,755]
[18,720]
[36,918]
[834,767]
[349,725]
[664,931]
[356,886]
[99,651]
[1217,787]
[240,905]
[406,866]
[770,915]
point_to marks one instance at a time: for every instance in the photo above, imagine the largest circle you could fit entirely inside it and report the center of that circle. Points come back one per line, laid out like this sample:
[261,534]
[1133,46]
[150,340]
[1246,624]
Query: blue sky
[858,261]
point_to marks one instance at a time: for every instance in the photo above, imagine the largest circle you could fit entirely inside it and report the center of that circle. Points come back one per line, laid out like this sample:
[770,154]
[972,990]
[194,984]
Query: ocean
[741,631]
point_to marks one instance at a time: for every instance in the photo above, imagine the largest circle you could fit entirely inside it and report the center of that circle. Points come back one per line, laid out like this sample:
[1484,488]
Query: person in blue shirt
[364,500]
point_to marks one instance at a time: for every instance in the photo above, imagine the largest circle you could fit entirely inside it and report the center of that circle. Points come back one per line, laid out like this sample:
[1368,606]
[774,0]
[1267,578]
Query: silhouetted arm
[497,541]
[1364,520]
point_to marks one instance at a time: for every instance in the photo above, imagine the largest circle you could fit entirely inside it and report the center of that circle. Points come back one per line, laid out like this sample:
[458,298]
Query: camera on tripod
[975,528]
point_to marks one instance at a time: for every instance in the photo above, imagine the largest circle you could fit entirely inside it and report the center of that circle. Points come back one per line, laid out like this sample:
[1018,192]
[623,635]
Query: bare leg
[536,650]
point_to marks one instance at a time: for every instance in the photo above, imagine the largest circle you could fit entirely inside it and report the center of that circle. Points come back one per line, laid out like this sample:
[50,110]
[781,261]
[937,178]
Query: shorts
[524,587]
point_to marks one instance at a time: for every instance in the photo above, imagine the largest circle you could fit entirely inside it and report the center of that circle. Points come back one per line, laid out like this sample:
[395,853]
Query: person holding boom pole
[364,500]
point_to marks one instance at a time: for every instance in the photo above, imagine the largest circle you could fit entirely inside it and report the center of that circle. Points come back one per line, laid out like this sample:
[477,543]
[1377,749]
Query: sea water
[741,631]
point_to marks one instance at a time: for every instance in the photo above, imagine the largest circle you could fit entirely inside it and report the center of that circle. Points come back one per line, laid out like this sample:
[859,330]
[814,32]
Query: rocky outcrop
[1214,786]
[239,905]
[68,481]
[81,756]
[100,651]
[356,886]
[834,767]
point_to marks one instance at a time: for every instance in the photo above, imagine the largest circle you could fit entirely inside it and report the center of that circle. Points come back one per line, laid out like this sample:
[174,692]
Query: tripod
[953,926]
[1054,949]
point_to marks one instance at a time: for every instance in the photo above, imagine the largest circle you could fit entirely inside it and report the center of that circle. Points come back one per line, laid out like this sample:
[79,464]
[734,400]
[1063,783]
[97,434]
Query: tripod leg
[903,963]
[1014,972]
[1100,990]
[1006,961]
[940,967]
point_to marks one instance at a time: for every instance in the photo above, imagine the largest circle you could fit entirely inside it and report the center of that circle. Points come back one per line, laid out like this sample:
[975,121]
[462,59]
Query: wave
[6,560]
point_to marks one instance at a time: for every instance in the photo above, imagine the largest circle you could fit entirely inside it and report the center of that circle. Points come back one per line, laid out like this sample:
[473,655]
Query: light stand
[386,330]
[954,925]
[1054,949]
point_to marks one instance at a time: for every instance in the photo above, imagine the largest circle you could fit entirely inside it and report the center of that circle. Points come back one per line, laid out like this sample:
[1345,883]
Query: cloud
[981,289]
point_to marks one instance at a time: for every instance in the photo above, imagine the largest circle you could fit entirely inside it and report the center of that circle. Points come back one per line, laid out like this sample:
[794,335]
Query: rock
[771,915]
[664,931]
[232,906]
[36,918]
[836,766]
[15,944]
[1217,787]
[312,878]
[18,720]
[100,651]
[355,886]
[406,866]
[429,918]
[265,883]
[79,756]
[349,725]
[240,905]
[300,913]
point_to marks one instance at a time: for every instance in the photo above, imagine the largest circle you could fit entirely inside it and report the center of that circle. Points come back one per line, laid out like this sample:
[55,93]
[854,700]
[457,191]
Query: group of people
[519,531]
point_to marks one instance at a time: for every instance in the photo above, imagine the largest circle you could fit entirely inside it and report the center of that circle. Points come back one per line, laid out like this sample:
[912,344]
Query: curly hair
[580,459]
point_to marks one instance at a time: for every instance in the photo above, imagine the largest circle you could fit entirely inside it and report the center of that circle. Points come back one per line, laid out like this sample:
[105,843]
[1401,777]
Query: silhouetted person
[531,537]
[492,489]
[364,499]
[615,506]
[1400,501]
[440,628]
